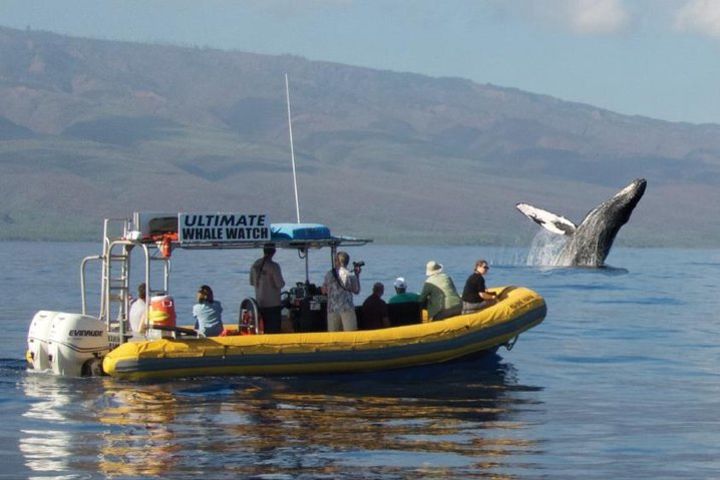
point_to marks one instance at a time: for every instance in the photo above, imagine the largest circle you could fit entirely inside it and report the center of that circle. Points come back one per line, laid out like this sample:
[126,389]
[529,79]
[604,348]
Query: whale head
[593,238]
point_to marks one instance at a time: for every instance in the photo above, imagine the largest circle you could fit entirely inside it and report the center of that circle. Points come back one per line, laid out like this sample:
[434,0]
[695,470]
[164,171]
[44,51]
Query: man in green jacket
[439,293]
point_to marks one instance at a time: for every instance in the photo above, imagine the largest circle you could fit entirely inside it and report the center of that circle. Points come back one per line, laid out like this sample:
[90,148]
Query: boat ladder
[115,294]
[116,289]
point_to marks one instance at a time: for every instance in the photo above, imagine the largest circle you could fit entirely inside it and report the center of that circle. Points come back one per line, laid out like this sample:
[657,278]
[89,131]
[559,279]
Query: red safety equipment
[162,311]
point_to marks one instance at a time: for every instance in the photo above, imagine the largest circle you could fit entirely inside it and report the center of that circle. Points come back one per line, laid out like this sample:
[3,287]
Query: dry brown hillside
[91,128]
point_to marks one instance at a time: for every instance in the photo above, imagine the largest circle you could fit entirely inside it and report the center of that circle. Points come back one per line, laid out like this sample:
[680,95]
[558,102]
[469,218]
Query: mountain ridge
[95,128]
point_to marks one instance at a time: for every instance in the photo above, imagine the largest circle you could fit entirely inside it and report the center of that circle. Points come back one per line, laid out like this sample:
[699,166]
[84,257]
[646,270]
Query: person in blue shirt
[207,313]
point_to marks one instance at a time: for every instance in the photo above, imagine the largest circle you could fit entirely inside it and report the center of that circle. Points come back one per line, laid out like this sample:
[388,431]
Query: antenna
[292,150]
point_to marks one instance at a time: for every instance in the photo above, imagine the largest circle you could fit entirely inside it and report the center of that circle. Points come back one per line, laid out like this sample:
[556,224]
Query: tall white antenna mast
[292,150]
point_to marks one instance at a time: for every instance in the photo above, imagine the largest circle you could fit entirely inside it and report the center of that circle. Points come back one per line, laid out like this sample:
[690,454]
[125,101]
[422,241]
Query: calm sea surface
[622,380]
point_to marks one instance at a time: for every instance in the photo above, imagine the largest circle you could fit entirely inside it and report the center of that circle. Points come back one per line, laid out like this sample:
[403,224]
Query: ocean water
[622,380]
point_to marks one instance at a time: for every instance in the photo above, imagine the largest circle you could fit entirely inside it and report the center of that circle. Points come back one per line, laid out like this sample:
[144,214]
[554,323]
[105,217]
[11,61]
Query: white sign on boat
[201,228]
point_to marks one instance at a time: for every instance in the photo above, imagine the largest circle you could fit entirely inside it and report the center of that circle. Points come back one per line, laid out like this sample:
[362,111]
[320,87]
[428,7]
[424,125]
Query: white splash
[545,249]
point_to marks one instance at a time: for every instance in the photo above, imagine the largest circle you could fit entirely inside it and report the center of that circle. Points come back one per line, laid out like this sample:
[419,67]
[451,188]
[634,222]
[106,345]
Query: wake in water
[545,249]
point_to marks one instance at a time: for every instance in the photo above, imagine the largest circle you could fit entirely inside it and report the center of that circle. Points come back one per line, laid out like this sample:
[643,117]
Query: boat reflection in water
[143,444]
[47,447]
[460,419]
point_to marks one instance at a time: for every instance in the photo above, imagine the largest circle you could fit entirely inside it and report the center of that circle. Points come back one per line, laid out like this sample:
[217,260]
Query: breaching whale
[589,243]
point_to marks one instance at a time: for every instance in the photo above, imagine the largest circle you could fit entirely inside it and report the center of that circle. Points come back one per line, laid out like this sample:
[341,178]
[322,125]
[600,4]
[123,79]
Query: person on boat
[266,277]
[439,293]
[374,312]
[138,325]
[474,296]
[207,313]
[401,293]
[404,307]
[339,285]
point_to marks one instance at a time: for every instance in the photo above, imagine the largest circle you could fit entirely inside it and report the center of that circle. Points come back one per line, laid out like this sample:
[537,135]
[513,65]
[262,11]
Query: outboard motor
[38,336]
[75,344]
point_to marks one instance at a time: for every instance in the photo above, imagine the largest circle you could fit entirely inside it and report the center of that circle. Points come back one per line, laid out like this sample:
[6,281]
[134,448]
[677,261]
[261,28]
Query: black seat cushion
[406,313]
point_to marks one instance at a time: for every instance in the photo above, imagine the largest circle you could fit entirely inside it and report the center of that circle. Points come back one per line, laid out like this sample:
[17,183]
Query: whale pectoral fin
[549,221]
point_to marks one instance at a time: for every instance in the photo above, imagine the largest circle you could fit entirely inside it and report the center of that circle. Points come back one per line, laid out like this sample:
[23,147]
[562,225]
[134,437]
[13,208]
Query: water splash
[545,249]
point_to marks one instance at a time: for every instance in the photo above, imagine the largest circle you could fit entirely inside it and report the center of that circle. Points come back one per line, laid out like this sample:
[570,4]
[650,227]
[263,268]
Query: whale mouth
[637,184]
[631,195]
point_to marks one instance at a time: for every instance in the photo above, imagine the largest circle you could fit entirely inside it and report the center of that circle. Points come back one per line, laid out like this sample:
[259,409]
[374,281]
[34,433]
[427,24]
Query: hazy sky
[657,58]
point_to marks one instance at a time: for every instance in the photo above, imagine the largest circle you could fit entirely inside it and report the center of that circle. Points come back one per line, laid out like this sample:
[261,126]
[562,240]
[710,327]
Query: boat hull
[332,352]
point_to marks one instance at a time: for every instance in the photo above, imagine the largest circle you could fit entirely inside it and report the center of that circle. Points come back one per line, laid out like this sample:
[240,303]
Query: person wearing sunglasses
[474,296]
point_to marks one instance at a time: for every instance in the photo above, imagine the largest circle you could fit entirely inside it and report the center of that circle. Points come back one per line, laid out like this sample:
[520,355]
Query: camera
[359,264]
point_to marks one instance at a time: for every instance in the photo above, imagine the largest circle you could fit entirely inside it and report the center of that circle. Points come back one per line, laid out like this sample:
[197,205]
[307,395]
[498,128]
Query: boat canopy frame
[121,236]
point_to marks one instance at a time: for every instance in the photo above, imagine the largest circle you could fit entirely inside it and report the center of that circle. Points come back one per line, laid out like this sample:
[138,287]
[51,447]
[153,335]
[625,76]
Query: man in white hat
[404,308]
[401,293]
[439,293]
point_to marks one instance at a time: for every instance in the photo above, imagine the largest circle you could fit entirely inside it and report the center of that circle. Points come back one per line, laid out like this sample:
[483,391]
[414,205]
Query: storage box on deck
[299,231]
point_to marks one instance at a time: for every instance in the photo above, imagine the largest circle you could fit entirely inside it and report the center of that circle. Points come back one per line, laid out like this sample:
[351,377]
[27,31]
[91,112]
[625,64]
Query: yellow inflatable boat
[76,344]
[328,352]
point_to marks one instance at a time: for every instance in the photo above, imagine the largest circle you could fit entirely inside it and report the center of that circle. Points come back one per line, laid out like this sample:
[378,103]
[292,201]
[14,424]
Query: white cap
[400,283]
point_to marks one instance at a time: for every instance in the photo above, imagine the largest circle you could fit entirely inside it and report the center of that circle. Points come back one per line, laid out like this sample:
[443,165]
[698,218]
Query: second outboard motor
[38,337]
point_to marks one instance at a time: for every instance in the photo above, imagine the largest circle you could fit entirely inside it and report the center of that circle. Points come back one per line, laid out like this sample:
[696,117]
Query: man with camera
[339,285]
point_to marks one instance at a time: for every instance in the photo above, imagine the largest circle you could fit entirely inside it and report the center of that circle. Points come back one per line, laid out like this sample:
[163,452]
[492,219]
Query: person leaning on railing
[474,296]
